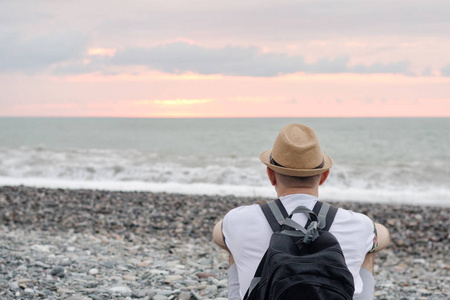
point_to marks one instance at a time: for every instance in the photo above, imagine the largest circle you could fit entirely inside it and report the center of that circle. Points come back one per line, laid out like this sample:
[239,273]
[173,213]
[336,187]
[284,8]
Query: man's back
[296,168]
[247,235]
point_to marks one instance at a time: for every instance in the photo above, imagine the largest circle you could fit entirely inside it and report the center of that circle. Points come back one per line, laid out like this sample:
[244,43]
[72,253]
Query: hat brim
[265,158]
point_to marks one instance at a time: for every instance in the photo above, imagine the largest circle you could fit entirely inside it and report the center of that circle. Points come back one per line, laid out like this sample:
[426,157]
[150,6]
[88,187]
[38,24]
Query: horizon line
[229,117]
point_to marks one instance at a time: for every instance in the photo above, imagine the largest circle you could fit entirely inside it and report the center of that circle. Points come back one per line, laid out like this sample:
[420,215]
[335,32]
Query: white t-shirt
[247,235]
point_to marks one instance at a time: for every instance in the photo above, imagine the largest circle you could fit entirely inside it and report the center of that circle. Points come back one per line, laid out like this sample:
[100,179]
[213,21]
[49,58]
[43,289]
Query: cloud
[264,23]
[394,67]
[293,19]
[256,19]
[38,53]
[445,71]
[181,57]
[68,53]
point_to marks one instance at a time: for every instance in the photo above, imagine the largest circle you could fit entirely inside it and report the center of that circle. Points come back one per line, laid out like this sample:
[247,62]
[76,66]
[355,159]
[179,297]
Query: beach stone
[222,283]
[14,286]
[28,291]
[143,264]
[172,278]
[21,268]
[205,275]
[138,294]
[115,278]
[402,267]
[77,298]
[124,290]
[64,262]
[184,296]
[42,265]
[58,271]
[129,277]
[223,294]
[93,271]
[108,264]
[23,285]
[158,271]
[211,289]
[160,297]
[49,277]
[165,292]
[41,248]
[201,286]
[65,291]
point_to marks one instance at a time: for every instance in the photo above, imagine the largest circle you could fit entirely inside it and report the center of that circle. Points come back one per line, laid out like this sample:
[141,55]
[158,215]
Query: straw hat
[296,152]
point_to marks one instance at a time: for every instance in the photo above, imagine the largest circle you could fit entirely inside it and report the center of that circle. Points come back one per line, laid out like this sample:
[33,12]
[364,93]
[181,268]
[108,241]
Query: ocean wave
[207,174]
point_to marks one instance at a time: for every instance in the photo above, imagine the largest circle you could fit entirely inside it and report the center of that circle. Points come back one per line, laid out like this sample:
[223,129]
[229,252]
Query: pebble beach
[88,244]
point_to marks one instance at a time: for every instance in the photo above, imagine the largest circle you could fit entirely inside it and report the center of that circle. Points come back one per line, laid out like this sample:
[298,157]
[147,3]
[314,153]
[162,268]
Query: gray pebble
[42,265]
[64,262]
[14,286]
[211,289]
[184,296]
[76,298]
[124,290]
[108,264]
[21,268]
[58,271]
[138,294]
[93,271]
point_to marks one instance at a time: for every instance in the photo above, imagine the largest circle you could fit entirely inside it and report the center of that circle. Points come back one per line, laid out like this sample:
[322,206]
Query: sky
[203,58]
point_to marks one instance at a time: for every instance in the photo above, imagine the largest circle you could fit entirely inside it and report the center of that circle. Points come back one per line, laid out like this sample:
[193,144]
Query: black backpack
[301,263]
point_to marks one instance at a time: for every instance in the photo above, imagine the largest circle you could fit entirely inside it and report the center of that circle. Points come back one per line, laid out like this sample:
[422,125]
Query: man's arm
[218,239]
[218,236]
[233,278]
[384,238]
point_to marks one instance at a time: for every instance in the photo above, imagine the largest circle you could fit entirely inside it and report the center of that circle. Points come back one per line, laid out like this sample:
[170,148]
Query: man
[296,167]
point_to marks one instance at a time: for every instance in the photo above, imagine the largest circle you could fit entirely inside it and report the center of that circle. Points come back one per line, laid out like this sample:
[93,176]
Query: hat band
[273,162]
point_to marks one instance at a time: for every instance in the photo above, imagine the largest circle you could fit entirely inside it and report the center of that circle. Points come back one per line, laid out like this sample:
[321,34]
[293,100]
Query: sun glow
[102,51]
[174,102]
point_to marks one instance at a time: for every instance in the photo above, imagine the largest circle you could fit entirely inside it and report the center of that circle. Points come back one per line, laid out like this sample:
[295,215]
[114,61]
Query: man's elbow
[218,235]
[384,238]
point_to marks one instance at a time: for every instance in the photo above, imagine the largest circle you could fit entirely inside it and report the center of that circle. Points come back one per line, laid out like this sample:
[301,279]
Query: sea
[382,160]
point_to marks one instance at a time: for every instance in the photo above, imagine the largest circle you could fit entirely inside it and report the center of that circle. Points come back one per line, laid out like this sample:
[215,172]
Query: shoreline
[437,198]
[177,228]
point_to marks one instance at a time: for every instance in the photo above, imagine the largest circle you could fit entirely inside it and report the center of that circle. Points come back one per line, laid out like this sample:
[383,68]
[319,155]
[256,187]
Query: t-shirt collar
[298,197]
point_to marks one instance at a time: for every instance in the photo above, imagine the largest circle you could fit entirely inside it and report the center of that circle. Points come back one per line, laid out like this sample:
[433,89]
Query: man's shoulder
[248,217]
[242,212]
[349,221]
[347,214]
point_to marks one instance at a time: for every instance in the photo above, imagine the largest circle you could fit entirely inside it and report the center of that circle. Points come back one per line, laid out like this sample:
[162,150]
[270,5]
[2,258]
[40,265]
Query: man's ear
[271,175]
[324,177]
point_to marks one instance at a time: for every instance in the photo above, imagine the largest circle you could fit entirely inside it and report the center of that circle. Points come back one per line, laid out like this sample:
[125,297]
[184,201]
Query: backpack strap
[275,214]
[325,213]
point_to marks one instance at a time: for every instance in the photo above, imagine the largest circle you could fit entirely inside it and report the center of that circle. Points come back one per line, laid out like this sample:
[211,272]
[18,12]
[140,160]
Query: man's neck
[290,191]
